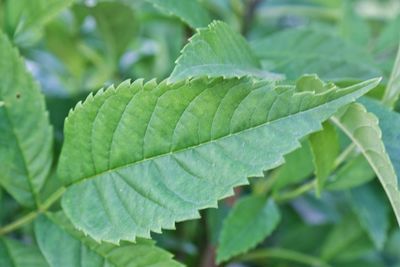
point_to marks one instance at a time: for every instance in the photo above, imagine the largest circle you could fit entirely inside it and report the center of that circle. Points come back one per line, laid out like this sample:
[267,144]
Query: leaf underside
[363,129]
[142,157]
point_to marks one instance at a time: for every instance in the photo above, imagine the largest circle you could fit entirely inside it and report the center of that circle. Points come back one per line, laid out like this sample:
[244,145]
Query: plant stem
[343,156]
[285,254]
[249,15]
[32,215]
[296,192]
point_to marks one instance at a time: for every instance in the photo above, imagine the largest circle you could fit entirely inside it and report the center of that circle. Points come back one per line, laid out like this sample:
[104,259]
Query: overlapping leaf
[218,51]
[142,157]
[74,249]
[389,122]
[25,133]
[363,129]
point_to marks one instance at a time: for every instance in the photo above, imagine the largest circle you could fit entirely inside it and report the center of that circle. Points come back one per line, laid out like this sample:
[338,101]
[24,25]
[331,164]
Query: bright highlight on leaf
[144,156]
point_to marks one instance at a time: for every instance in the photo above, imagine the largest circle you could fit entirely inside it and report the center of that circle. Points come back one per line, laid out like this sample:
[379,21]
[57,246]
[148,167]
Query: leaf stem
[343,156]
[33,214]
[296,192]
[280,253]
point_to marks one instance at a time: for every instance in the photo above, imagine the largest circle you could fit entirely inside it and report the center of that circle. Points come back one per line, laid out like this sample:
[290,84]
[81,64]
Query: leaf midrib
[25,163]
[202,144]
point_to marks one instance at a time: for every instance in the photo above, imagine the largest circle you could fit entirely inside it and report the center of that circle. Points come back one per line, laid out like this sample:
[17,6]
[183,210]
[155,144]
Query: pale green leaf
[75,249]
[392,91]
[325,148]
[363,129]
[25,132]
[250,221]
[389,122]
[297,51]
[218,51]
[191,12]
[15,254]
[372,212]
[142,157]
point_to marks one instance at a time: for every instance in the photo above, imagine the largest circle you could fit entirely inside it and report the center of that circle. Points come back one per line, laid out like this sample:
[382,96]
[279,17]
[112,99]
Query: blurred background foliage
[76,47]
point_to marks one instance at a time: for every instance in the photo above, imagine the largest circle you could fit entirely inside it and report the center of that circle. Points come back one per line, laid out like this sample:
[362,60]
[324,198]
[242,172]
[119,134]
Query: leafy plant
[267,121]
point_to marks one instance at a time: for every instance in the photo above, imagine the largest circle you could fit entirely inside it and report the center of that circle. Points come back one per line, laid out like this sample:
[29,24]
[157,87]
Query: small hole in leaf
[18,95]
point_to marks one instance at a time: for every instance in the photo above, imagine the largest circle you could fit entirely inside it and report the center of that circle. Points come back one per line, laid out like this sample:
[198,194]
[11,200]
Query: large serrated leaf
[363,129]
[251,220]
[75,249]
[297,51]
[218,51]
[25,132]
[142,157]
[15,254]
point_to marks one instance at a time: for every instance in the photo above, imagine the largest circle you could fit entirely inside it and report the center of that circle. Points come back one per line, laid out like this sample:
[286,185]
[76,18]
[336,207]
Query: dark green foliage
[199,133]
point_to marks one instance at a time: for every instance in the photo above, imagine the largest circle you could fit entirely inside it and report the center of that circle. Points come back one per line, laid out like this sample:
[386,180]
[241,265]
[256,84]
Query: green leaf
[25,132]
[325,148]
[117,35]
[139,156]
[297,167]
[75,249]
[250,221]
[389,122]
[363,129]
[218,51]
[24,18]
[342,236]
[372,212]
[324,144]
[15,254]
[298,51]
[352,27]
[388,39]
[190,12]
[355,172]
[392,91]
